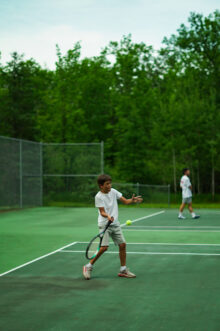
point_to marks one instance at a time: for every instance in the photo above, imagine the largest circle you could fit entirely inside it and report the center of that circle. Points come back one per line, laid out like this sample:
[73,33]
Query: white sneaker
[126,273]
[195,217]
[181,217]
[87,272]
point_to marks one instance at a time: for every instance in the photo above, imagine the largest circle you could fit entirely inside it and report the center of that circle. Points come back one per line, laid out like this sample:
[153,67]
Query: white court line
[149,253]
[37,259]
[144,217]
[165,244]
[174,227]
[182,230]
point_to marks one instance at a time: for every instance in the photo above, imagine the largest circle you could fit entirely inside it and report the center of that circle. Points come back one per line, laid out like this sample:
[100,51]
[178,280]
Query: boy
[186,186]
[106,202]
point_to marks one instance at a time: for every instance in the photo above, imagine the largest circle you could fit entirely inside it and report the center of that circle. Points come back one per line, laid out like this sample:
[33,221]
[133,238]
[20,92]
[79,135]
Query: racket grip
[107,225]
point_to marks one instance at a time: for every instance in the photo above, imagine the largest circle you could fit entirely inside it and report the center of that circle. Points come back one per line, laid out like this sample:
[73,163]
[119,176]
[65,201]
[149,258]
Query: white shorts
[115,232]
[187,200]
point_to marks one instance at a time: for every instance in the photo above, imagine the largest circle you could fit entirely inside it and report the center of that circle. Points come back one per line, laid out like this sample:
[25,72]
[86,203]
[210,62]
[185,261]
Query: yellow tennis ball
[128,222]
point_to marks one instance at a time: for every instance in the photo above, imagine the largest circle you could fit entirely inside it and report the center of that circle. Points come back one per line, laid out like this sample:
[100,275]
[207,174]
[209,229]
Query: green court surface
[177,263]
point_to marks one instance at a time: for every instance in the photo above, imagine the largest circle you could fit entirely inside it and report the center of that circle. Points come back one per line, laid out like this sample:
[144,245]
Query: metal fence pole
[138,192]
[102,157]
[21,175]
[138,188]
[169,195]
[41,174]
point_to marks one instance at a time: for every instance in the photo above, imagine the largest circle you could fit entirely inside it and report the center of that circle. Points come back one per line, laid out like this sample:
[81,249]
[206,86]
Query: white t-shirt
[110,203]
[185,184]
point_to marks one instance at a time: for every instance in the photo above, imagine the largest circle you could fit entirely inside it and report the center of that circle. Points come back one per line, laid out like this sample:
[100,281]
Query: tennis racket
[95,244]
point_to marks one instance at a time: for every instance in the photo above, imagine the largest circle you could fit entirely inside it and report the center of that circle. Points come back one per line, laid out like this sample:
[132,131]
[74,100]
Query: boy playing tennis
[106,202]
[186,187]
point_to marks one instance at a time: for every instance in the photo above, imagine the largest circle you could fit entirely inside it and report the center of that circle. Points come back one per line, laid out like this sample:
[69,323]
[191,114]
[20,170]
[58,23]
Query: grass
[206,205]
[199,201]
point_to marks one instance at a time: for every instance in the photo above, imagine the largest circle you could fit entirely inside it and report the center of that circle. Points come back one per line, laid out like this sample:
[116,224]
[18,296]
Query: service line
[37,259]
[144,217]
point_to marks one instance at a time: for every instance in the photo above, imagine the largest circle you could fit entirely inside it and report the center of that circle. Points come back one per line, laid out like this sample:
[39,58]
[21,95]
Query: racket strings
[93,248]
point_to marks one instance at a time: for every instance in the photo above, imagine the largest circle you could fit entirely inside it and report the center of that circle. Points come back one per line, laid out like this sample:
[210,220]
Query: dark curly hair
[103,178]
[184,170]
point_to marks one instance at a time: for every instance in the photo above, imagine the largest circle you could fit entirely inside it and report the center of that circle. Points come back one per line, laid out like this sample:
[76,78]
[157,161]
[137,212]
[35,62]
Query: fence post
[138,188]
[41,174]
[102,157]
[21,174]
[169,195]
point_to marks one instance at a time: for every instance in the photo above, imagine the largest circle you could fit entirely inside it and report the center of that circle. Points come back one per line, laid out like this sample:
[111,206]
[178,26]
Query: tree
[193,58]
[22,83]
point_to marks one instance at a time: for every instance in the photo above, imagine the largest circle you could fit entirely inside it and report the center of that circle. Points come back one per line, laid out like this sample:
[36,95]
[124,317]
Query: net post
[102,157]
[21,174]
[169,195]
[41,174]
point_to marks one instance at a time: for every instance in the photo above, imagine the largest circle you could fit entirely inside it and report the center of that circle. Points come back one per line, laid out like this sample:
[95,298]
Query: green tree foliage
[134,99]
[156,111]
[22,83]
[191,60]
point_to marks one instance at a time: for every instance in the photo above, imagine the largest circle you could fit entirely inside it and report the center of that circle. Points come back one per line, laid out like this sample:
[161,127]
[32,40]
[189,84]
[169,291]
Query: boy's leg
[118,238]
[190,207]
[87,269]
[122,254]
[124,271]
[182,206]
[104,247]
[191,211]
[101,251]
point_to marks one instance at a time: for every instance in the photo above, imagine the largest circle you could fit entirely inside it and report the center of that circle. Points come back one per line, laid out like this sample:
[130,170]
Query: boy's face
[106,187]
[188,172]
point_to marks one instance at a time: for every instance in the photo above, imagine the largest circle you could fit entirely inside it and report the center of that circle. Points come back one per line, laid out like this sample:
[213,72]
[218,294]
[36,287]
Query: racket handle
[107,225]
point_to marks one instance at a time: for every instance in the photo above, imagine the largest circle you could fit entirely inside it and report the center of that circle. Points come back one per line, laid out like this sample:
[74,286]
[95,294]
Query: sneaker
[87,272]
[181,217]
[126,273]
[196,216]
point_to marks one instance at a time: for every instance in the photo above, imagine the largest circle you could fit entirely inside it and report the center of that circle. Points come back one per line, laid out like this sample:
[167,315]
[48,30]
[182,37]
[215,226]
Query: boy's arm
[134,199]
[104,214]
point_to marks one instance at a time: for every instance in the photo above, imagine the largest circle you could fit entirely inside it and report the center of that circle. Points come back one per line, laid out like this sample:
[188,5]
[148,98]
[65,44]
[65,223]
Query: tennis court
[177,264]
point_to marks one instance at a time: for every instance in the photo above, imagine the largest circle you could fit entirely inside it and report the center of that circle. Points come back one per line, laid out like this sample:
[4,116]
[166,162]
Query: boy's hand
[110,218]
[137,199]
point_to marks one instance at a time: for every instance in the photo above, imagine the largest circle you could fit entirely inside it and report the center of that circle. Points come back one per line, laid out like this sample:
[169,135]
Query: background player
[186,186]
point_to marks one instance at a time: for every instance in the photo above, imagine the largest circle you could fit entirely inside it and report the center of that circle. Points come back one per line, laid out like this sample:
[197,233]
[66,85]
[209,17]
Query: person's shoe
[126,273]
[87,272]
[181,217]
[196,216]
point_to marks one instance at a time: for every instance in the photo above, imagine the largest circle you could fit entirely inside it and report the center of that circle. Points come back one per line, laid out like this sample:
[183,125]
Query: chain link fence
[37,174]
[70,171]
[152,194]
[20,173]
